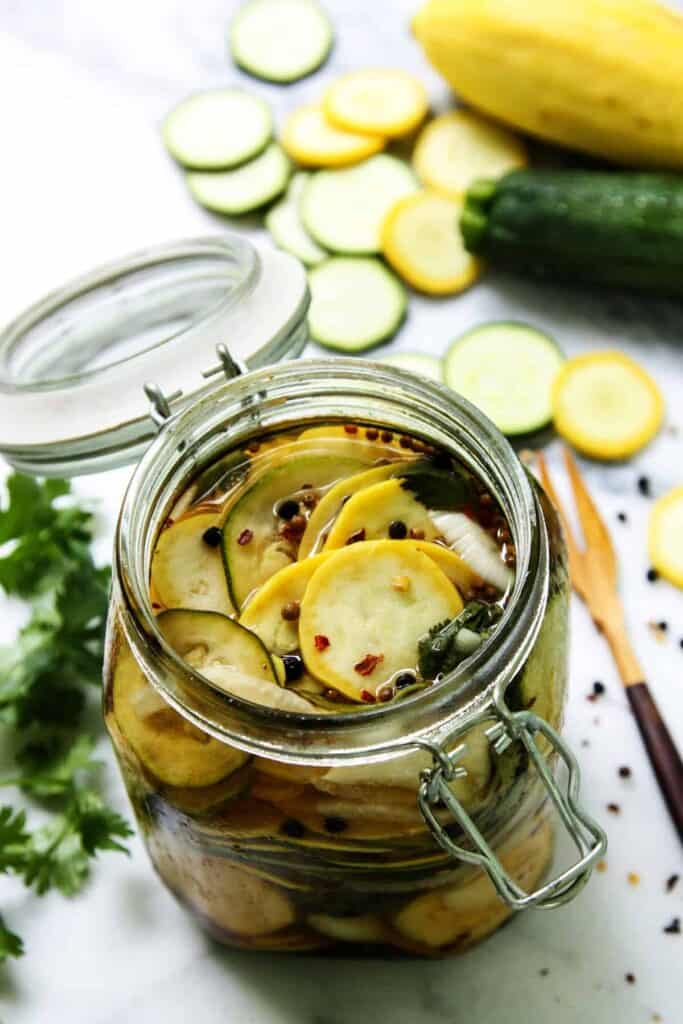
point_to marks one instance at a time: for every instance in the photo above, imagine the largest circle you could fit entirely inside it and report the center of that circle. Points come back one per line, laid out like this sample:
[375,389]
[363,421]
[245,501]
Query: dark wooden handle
[664,756]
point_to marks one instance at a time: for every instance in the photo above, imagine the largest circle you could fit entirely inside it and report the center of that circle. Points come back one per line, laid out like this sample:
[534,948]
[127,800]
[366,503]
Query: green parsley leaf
[10,944]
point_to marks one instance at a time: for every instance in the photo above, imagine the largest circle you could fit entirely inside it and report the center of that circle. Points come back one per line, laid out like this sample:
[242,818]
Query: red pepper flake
[358,535]
[321,642]
[367,665]
[156,605]
[601,866]
[368,697]
[245,537]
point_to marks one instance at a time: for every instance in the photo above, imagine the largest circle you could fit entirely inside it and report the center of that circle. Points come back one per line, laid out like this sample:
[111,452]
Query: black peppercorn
[334,824]
[294,667]
[644,486]
[293,828]
[213,536]
[598,688]
[397,530]
[287,509]
[405,679]
[625,772]
[622,517]
[652,575]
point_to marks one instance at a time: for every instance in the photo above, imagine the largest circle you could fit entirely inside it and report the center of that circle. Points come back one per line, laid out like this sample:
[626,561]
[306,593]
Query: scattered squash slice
[365,609]
[665,536]
[606,405]
[456,148]
[421,240]
[311,139]
[380,101]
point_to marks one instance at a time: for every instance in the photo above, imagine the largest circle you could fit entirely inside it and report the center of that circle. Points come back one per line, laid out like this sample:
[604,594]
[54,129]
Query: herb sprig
[46,679]
[450,642]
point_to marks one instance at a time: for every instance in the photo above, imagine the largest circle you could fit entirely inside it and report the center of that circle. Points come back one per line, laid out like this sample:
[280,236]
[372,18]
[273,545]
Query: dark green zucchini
[597,227]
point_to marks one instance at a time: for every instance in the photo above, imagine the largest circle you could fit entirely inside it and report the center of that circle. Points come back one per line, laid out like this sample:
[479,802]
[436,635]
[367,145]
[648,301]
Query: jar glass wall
[300,831]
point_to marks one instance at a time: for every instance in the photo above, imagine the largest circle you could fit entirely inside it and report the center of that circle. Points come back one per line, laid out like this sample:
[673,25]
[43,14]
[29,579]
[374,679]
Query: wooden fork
[593,572]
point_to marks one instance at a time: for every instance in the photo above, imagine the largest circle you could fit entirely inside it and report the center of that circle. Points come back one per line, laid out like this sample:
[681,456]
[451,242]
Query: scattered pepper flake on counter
[644,486]
[672,882]
[625,772]
[599,689]
[630,978]
[601,866]
[633,878]
[622,517]
[658,630]
[245,537]
[652,575]
[367,665]
[614,808]
[321,642]
[674,927]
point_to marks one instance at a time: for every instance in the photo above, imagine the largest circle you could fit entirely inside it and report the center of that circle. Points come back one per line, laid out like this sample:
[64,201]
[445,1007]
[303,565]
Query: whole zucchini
[607,228]
[603,76]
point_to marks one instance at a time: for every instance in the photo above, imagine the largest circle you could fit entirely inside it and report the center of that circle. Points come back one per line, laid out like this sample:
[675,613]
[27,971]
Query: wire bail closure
[160,403]
[589,838]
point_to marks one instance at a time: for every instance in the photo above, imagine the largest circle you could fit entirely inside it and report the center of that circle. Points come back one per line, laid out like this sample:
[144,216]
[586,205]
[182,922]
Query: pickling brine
[322,572]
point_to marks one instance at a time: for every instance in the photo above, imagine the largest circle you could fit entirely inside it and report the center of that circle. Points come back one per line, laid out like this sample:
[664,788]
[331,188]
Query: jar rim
[74,365]
[261,402]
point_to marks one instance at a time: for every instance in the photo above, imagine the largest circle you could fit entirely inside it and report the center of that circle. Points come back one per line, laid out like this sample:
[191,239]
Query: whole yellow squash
[603,76]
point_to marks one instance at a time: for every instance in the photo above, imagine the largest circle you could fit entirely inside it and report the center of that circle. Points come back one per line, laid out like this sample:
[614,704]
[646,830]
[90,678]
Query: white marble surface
[84,178]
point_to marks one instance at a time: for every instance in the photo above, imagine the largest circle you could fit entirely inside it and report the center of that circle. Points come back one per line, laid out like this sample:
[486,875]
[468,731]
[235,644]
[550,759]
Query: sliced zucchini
[379,101]
[476,547]
[358,627]
[257,691]
[355,303]
[665,536]
[170,747]
[245,188]
[313,141]
[606,405]
[187,571]
[264,612]
[280,40]
[214,130]
[372,511]
[507,370]
[457,148]
[421,240]
[286,227]
[253,548]
[327,509]
[344,209]
[417,362]
[206,639]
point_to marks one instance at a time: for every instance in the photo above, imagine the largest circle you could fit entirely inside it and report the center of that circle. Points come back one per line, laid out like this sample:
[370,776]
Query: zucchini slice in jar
[330,505]
[265,612]
[365,609]
[170,747]
[207,639]
[254,545]
[257,691]
[187,566]
[370,513]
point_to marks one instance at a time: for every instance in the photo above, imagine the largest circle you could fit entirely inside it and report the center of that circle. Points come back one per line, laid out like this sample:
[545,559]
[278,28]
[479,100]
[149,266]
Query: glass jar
[418,826]
[316,829]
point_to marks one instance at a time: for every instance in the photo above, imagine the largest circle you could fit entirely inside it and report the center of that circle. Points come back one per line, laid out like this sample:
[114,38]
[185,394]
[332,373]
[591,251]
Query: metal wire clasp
[589,839]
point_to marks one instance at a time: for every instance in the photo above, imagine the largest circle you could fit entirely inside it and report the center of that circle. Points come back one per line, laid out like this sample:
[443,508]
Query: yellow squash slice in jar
[273,611]
[451,564]
[187,566]
[258,691]
[350,439]
[665,536]
[170,747]
[256,541]
[369,514]
[457,148]
[364,611]
[606,405]
[313,141]
[421,240]
[380,101]
[329,506]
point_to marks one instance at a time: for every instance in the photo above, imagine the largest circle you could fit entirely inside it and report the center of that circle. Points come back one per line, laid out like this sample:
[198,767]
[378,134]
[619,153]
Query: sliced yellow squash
[263,614]
[368,514]
[187,571]
[421,240]
[174,750]
[358,627]
[665,536]
[606,405]
[326,511]
[456,148]
[364,443]
[258,691]
[311,139]
[451,564]
[380,101]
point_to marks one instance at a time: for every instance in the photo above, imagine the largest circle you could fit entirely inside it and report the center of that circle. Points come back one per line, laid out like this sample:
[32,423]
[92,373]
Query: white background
[85,178]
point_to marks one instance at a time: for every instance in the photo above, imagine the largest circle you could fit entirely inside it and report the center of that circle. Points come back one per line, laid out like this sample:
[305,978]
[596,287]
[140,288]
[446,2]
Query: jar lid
[87,372]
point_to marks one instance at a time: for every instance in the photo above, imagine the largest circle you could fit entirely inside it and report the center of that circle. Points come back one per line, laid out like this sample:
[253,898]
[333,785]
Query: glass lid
[85,370]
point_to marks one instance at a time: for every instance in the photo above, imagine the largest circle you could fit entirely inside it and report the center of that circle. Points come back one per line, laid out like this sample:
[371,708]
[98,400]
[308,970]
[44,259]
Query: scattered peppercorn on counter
[328,570]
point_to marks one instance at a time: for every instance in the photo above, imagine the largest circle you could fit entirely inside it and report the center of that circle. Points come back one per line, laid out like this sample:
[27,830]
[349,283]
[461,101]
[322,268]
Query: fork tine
[596,534]
[573,550]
